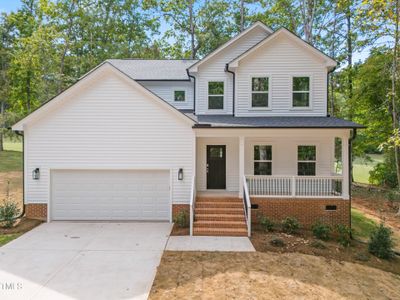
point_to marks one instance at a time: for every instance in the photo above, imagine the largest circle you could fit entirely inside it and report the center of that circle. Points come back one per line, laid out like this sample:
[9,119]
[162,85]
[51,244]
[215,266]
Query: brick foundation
[306,211]
[36,211]
[176,208]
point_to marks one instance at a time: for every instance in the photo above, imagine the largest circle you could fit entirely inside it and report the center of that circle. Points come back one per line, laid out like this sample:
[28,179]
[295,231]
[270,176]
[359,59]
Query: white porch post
[345,166]
[241,165]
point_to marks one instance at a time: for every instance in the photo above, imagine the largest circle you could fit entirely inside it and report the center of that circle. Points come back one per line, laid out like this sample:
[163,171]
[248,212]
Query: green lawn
[5,238]
[361,167]
[10,161]
[361,225]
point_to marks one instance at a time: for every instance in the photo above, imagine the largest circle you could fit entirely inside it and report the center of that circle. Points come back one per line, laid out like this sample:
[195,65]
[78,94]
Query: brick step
[219,210]
[219,224]
[220,217]
[226,204]
[219,231]
[218,199]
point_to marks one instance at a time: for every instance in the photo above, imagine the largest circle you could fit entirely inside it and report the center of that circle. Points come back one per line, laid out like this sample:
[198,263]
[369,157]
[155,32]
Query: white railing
[295,186]
[192,203]
[247,205]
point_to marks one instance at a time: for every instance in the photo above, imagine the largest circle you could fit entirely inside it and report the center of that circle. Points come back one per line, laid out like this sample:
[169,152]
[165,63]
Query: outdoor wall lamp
[180,174]
[36,174]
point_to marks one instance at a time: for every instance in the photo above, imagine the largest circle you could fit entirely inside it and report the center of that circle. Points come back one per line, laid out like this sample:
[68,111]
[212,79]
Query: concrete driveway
[63,260]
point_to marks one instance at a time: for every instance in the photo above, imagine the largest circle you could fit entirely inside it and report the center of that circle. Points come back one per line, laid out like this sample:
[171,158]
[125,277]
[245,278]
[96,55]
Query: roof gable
[329,62]
[258,24]
[85,81]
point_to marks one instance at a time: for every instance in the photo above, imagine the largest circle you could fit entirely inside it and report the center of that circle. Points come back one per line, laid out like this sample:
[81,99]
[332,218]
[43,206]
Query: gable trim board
[194,68]
[329,62]
[65,96]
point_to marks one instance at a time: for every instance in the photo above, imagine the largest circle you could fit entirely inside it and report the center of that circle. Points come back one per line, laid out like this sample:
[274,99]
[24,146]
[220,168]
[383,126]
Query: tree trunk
[191,24]
[2,112]
[241,15]
[349,41]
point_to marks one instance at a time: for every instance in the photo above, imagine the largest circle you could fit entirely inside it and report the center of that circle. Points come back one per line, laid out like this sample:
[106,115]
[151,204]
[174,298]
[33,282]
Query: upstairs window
[216,95]
[259,92]
[306,160]
[301,91]
[179,96]
[262,160]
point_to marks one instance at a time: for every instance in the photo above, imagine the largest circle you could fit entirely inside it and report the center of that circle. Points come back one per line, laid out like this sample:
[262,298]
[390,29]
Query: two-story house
[242,132]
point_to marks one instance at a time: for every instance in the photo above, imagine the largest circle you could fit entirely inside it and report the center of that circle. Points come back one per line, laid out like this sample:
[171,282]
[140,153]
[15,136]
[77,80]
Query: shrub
[381,242]
[266,223]
[277,242]
[384,173]
[343,235]
[321,231]
[290,225]
[8,213]
[182,219]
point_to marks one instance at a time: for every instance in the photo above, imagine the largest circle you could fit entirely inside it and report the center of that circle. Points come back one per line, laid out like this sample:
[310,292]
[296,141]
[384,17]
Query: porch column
[241,165]
[345,166]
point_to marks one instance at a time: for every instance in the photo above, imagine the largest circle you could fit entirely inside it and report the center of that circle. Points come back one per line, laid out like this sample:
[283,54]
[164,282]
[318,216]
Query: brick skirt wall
[306,211]
[36,211]
[176,208]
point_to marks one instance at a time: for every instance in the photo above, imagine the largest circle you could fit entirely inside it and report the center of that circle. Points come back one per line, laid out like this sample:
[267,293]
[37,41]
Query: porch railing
[247,205]
[192,203]
[295,186]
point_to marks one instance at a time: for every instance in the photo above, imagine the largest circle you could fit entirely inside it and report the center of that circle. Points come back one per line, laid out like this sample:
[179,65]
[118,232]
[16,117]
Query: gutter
[233,95]
[23,177]
[194,90]
[351,139]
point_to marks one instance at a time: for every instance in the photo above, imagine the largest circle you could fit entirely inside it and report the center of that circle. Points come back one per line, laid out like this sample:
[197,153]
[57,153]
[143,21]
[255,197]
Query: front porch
[266,166]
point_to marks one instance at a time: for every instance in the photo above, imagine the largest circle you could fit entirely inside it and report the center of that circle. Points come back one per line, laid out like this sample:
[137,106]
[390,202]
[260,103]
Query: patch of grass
[361,167]
[10,161]
[11,145]
[6,238]
[362,226]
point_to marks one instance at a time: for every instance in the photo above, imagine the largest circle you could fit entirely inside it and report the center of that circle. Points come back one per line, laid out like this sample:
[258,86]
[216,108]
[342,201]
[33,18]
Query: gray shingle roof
[153,69]
[272,122]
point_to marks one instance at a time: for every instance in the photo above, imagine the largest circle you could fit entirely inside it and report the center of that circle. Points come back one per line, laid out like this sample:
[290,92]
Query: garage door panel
[110,195]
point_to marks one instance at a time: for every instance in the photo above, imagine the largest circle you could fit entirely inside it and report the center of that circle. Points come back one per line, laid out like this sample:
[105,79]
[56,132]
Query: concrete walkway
[209,243]
[73,260]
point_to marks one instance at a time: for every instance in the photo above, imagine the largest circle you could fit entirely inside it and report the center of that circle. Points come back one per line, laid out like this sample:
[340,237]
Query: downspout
[23,177]
[194,90]
[233,85]
[351,139]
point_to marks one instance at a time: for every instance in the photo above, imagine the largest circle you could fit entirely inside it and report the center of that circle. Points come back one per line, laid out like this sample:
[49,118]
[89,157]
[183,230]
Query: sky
[12,5]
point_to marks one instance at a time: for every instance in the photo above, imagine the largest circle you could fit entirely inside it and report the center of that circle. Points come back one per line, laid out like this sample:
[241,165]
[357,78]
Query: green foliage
[266,223]
[381,242]
[290,225]
[6,238]
[321,231]
[8,212]
[384,174]
[10,161]
[318,244]
[361,226]
[343,235]
[182,219]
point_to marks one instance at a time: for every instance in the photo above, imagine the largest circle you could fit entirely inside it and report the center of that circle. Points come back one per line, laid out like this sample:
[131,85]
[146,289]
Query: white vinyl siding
[166,90]
[109,124]
[214,70]
[283,59]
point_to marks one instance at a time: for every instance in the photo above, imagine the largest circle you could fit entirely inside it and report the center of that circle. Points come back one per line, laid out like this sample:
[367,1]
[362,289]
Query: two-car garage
[110,195]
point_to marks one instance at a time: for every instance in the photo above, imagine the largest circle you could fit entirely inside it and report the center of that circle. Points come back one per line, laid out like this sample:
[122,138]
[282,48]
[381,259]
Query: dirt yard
[15,186]
[213,275]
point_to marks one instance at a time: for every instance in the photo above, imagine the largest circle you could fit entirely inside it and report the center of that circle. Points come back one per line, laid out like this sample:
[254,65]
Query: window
[301,91]
[216,95]
[179,96]
[306,160]
[259,92]
[262,160]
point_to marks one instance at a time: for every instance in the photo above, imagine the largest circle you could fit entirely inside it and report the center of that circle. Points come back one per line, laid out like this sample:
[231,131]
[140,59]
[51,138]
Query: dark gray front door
[216,166]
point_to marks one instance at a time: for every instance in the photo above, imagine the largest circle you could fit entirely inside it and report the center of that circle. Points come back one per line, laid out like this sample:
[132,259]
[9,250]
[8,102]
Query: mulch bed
[177,231]
[23,225]
[305,243]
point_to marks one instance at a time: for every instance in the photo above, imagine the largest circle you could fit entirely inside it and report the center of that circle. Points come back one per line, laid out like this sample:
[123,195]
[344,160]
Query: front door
[216,167]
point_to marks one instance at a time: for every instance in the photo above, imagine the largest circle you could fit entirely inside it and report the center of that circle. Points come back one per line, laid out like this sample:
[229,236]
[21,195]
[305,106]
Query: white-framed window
[179,96]
[216,95]
[262,160]
[306,160]
[301,91]
[259,92]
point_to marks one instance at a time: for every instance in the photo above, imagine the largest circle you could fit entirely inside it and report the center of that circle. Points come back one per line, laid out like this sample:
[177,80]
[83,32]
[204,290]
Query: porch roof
[227,121]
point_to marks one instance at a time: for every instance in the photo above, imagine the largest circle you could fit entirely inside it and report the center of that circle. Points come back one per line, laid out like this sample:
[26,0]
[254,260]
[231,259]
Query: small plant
[381,242]
[321,231]
[182,219]
[266,223]
[290,225]
[318,245]
[343,235]
[277,242]
[8,213]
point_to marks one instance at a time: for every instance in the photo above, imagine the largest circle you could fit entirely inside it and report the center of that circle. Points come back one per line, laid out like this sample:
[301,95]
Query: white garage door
[110,195]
